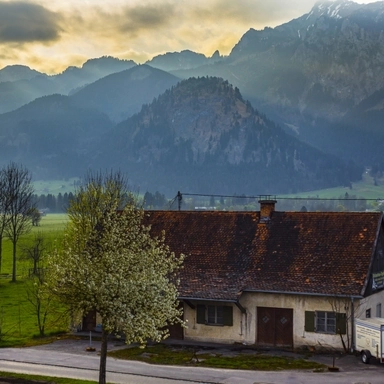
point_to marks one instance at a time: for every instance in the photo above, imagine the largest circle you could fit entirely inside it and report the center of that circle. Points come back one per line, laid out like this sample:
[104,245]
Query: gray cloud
[134,19]
[26,22]
[148,17]
[248,12]
[58,33]
[176,21]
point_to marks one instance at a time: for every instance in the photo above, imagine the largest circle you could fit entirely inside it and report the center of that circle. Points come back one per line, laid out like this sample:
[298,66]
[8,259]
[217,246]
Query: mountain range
[201,135]
[291,108]
[313,73]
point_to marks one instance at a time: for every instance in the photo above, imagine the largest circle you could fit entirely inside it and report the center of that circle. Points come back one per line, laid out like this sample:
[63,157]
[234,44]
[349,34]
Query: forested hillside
[201,135]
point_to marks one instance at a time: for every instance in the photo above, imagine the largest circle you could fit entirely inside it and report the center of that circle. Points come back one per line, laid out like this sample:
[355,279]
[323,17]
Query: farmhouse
[294,279]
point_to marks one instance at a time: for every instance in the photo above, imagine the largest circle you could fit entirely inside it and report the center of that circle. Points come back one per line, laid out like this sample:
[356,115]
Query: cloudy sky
[50,35]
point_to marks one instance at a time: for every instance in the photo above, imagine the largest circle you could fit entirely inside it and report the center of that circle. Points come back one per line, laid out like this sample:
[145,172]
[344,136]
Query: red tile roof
[227,253]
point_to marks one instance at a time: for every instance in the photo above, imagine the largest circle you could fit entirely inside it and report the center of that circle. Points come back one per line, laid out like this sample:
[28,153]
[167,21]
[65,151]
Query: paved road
[76,363]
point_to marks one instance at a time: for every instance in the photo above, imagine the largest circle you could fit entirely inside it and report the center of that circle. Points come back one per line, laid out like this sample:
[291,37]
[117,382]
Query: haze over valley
[289,109]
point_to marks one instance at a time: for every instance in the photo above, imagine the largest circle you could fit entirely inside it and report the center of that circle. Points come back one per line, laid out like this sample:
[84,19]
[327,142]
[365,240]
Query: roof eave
[304,293]
[206,299]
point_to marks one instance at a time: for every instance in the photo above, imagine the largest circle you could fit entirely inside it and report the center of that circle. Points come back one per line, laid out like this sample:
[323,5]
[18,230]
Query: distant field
[363,189]
[51,226]
[361,196]
[17,320]
[52,222]
[54,187]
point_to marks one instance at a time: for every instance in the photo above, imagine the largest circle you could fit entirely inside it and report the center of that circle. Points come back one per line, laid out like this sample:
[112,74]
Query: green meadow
[18,322]
[365,188]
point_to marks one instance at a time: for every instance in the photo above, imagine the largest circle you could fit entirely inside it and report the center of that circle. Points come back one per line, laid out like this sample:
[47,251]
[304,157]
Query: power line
[275,197]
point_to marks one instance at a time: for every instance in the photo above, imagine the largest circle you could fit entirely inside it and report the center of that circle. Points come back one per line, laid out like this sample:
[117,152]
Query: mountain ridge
[121,94]
[203,131]
[320,77]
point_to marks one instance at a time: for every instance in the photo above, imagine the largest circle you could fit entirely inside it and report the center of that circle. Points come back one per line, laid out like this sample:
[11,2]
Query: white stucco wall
[212,333]
[371,303]
[244,329]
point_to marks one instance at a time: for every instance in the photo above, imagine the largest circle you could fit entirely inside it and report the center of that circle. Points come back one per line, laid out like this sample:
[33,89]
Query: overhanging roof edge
[301,293]
[205,299]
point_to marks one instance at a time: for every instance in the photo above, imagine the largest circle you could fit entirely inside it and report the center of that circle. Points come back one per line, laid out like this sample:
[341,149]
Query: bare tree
[35,253]
[346,310]
[4,201]
[18,190]
[40,298]
[35,216]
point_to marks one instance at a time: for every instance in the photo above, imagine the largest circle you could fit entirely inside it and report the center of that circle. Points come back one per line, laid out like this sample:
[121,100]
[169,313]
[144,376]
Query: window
[368,313]
[325,322]
[378,310]
[214,315]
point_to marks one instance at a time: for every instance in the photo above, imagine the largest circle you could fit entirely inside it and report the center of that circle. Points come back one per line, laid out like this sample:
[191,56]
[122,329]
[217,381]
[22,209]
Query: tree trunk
[14,262]
[343,342]
[103,357]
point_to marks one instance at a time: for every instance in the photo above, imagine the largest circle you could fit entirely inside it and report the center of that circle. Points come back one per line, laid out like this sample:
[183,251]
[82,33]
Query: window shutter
[341,323]
[200,314]
[227,316]
[309,321]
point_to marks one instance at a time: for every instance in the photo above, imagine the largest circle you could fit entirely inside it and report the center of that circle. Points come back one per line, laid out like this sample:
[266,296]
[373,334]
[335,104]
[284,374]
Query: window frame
[214,314]
[311,322]
[325,322]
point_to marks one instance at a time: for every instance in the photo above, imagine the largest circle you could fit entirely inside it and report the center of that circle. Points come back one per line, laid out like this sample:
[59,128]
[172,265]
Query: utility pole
[179,199]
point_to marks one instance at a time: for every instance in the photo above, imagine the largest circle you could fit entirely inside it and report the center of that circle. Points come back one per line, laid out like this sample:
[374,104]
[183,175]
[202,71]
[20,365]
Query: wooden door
[275,326]
[176,331]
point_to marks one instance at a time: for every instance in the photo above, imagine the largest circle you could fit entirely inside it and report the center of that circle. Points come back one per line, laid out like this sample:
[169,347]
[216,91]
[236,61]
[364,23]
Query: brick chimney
[267,206]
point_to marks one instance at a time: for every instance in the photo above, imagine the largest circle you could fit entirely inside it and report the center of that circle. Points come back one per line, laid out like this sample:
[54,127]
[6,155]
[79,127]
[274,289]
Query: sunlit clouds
[51,35]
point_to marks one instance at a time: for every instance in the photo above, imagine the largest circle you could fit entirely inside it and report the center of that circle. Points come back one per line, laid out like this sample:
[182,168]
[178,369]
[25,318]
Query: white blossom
[109,263]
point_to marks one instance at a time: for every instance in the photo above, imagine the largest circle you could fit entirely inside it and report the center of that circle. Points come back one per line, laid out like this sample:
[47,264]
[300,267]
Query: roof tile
[299,252]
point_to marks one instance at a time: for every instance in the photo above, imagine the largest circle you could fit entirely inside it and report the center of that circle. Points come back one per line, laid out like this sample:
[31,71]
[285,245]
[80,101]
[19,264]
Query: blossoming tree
[110,263]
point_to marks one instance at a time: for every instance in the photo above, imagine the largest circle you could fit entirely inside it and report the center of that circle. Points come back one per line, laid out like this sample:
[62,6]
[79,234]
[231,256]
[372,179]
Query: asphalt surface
[69,358]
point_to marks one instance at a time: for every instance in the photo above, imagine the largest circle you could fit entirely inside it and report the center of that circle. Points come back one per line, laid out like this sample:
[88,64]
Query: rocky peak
[335,9]
[335,53]
[205,132]
[345,11]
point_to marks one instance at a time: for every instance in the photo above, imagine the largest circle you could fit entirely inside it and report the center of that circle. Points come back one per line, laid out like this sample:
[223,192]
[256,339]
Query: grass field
[51,226]
[361,196]
[18,323]
[186,356]
[365,188]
